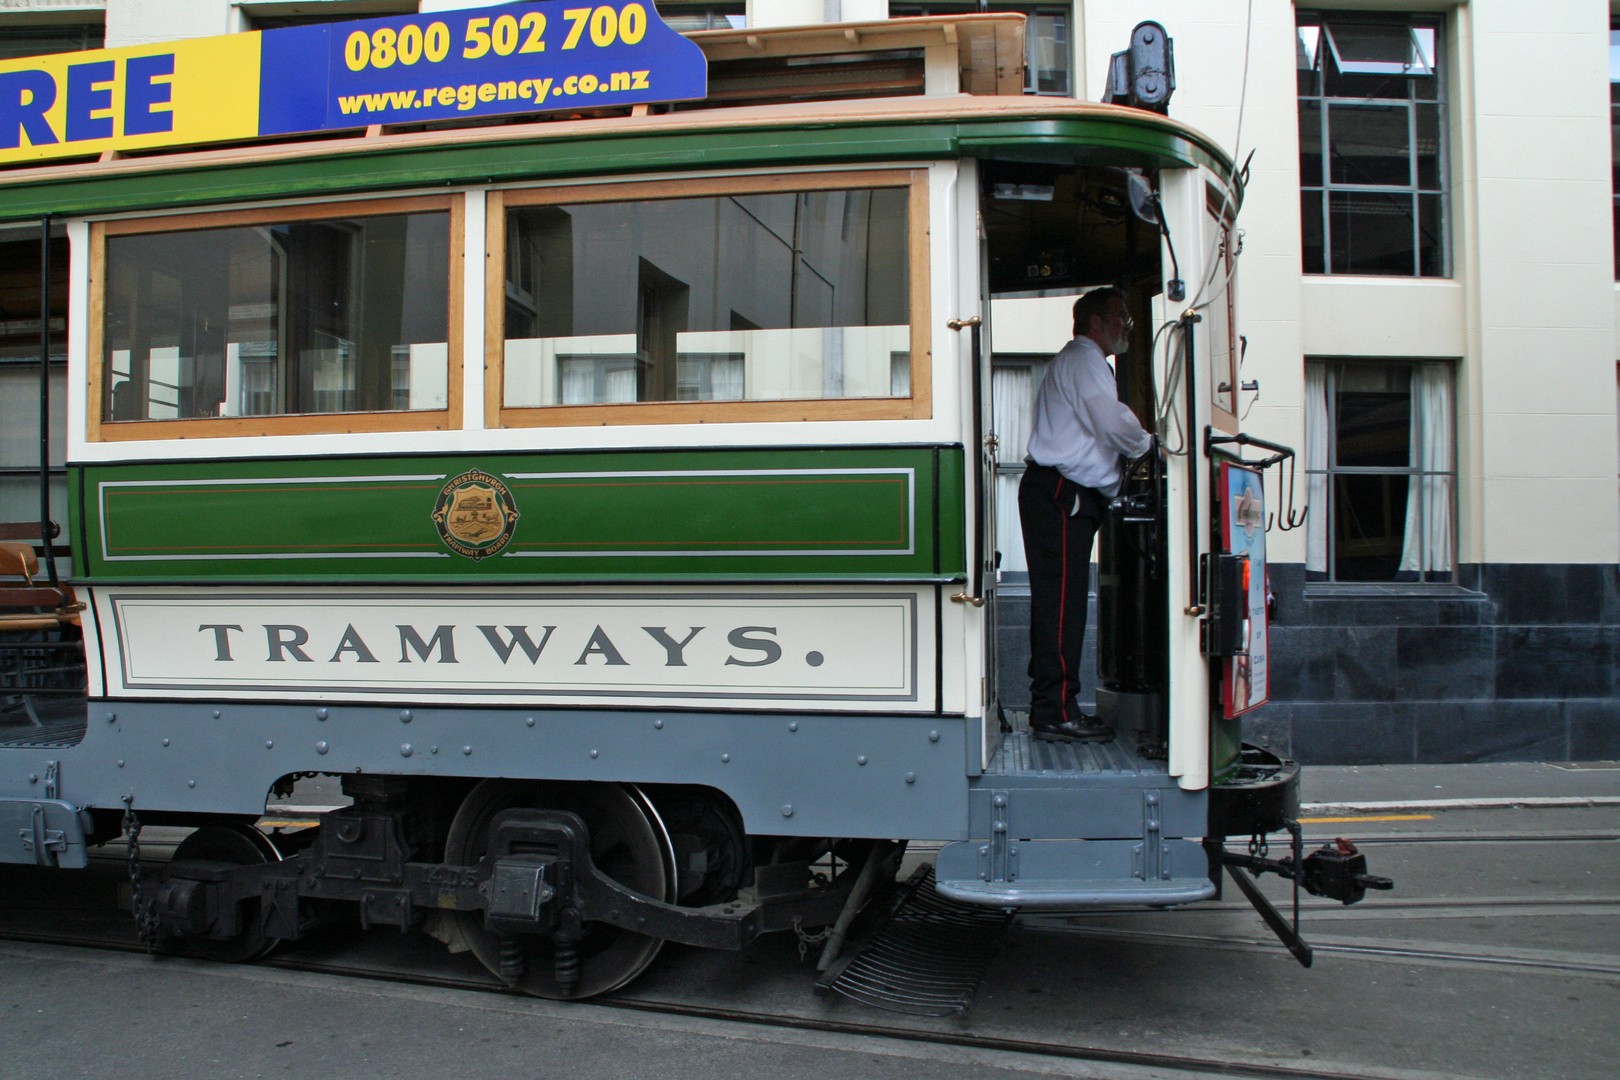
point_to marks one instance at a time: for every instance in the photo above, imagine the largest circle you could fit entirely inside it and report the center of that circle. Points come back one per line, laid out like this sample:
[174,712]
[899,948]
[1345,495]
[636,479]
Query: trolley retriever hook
[1290,520]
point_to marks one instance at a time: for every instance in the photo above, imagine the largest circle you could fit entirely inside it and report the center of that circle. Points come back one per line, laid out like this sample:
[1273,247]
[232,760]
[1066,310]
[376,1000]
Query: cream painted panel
[1561,446]
[1519,509]
[1563,146]
[1358,316]
[1617,322]
[1040,325]
[786,12]
[1526,65]
[142,22]
[1526,217]
[1530,370]
[1550,295]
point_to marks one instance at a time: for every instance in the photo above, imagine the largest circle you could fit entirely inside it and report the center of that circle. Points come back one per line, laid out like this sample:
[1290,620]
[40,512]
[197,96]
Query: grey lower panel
[1060,874]
[802,774]
[43,832]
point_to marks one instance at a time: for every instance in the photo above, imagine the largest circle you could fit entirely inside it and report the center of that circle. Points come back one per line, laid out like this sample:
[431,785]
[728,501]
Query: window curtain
[1316,463]
[726,378]
[1426,553]
[1013,410]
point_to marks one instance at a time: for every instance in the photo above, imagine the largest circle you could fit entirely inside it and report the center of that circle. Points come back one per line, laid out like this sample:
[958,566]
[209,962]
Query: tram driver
[1080,435]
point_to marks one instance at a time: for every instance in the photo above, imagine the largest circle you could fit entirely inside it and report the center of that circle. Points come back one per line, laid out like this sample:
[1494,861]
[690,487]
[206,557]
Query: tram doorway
[1050,234]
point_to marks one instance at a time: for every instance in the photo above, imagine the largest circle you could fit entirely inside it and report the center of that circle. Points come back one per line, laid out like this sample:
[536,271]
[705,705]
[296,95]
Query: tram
[606,494]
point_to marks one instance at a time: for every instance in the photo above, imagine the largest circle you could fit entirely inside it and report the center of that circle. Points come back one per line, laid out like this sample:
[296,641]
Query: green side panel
[1226,748]
[703,514]
[1143,141]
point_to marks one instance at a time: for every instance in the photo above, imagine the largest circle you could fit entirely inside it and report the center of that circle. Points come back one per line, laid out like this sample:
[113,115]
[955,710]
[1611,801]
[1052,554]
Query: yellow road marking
[1386,817]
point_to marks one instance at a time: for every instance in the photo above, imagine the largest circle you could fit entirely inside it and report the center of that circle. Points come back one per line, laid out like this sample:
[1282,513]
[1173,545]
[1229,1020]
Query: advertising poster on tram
[446,65]
[1245,682]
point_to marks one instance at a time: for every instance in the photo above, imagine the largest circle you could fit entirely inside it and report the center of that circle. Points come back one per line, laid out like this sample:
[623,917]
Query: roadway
[1496,956]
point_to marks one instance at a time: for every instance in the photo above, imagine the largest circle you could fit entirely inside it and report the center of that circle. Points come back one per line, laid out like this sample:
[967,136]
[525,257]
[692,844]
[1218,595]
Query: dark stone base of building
[1515,662]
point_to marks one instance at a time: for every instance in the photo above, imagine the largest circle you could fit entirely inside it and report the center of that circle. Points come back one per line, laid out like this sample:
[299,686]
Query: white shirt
[1081,428]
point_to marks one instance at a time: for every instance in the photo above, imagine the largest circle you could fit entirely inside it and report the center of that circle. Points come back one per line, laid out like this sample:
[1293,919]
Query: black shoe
[1085,729]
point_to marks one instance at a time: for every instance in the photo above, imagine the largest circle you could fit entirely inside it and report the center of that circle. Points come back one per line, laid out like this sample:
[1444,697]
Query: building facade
[1428,300]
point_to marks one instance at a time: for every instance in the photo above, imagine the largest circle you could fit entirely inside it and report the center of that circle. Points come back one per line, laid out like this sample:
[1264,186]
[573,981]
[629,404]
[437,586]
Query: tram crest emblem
[475,515]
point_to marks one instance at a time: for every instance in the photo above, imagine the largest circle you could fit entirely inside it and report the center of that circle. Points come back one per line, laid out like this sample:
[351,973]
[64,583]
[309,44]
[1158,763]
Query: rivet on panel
[466,750]
[405,750]
[120,763]
[321,714]
[933,736]
[404,716]
[861,760]
[999,801]
[433,749]
[269,744]
[321,747]
[165,742]
[191,783]
[33,778]
[529,721]
[794,726]
[787,810]
[659,724]
[725,759]
[216,714]
[596,753]
[911,778]
[111,717]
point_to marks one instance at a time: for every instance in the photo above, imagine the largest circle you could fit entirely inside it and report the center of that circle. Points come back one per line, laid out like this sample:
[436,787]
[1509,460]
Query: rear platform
[1035,797]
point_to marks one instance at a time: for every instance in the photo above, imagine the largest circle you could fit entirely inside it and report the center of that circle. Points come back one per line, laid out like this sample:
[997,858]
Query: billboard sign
[474,63]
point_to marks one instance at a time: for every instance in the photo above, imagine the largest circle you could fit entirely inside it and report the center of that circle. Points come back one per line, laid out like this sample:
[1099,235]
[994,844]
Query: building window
[17,41]
[1614,133]
[280,15]
[1047,42]
[687,17]
[1372,145]
[1380,470]
[19,372]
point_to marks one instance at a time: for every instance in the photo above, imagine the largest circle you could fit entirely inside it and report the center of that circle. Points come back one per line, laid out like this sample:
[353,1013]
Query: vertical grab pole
[45,530]
[1194,593]
[973,593]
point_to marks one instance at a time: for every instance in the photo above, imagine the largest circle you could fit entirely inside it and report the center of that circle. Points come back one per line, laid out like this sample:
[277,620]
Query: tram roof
[996,125]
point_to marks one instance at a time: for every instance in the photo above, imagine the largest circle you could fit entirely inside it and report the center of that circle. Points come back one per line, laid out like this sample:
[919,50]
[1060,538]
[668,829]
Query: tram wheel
[628,843]
[243,845]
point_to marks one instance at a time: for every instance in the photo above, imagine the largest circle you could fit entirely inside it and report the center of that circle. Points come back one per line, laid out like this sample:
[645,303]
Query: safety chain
[145,911]
[807,939]
[1258,845]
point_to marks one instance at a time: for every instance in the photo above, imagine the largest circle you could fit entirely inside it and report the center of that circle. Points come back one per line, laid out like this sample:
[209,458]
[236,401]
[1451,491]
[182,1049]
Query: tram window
[749,295]
[261,317]
[19,373]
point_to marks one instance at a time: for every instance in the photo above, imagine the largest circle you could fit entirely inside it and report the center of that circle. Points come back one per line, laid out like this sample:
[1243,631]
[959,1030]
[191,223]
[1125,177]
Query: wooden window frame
[919,406]
[203,427]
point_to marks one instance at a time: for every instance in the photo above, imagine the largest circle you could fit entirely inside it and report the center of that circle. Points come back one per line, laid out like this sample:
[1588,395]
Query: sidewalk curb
[1530,802]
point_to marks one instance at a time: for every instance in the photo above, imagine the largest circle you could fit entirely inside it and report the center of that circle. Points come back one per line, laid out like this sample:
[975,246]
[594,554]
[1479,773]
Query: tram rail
[1191,1065]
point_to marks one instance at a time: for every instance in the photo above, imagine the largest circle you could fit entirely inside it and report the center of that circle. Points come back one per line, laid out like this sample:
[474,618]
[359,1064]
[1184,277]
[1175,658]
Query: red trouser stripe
[1063,601]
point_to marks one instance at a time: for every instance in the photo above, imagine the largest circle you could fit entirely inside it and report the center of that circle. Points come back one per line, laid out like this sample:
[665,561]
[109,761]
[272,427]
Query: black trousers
[1057,546]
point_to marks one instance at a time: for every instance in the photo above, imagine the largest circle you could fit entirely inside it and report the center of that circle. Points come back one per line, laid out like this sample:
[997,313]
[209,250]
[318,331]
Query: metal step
[1064,875]
[927,959]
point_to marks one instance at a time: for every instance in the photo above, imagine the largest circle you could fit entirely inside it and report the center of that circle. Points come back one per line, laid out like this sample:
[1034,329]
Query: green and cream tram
[606,495]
